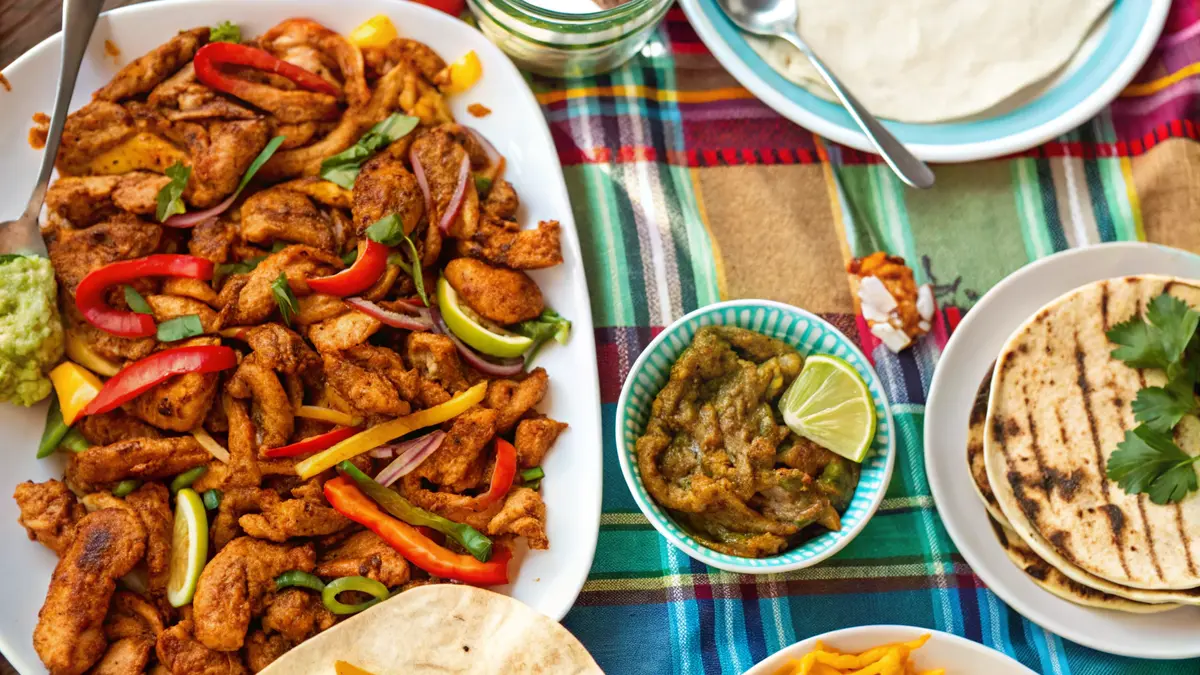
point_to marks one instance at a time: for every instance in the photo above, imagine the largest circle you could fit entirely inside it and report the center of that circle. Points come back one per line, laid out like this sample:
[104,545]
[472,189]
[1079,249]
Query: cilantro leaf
[343,167]
[483,185]
[1161,408]
[227,269]
[179,328]
[388,230]
[136,302]
[350,256]
[226,31]
[1176,323]
[170,197]
[550,325]
[1149,461]
[285,298]
[267,151]
[1139,345]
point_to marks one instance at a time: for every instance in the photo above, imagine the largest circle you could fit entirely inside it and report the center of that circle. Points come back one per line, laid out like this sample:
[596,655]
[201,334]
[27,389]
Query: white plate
[967,359]
[943,650]
[549,580]
[1100,70]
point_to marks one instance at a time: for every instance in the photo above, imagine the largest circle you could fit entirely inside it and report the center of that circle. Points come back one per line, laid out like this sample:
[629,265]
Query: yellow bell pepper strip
[378,435]
[344,668]
[76,387]
[330,415]
[464,73]
[79,351]
[376,31]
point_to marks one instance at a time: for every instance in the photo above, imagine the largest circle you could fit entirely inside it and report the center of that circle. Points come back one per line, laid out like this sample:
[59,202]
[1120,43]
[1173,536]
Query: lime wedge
[830,405]
[491,342]
[189,547]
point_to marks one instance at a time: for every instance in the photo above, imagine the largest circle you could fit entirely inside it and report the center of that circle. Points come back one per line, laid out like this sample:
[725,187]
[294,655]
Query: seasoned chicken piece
[243,468]
[364,554]
[384,187]
[50,513]
[320,50]
[235,503]
[272,412]
[281,349]
[459,508]
[317,308]
[152,504]
[283,519]
[132,628]
[523,514]
[513,399]
[167,307]
[504,243]
[90,131]
[183,654]
[322,191]
[74,253]
[500,295]
[220,152]
[252,301]
[343,332]
[182,97]
[501,201]
[85,200]
[233,584]
[458,463]
[297,614]
[441,152]
[145,72]
[141,458]
[278,214]
[436,358]
[181,402]
[110,427]
[367,377]
[534,438]
[214,240]
[109,346]
[262,649]
[417,54]
[194,289]
[69,636]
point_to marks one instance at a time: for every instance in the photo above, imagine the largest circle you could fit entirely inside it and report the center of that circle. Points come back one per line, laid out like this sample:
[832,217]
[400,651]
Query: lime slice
[830,405]
[189,547]
[491,342]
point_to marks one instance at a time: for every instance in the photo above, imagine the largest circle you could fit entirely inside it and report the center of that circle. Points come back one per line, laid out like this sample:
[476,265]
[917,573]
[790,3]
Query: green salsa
[31,334]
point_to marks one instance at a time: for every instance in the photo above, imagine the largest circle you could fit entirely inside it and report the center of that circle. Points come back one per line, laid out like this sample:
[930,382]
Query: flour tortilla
[1061,578]
[443,629]
[1059,405]
[933,60]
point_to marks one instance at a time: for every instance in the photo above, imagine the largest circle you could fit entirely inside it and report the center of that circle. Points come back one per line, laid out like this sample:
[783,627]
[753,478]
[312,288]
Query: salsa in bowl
[731,463]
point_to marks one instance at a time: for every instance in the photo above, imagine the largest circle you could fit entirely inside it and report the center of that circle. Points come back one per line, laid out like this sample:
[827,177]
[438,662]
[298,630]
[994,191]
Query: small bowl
[809,334]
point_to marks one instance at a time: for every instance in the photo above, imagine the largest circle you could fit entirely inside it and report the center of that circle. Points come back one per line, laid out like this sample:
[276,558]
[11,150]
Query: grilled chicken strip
[364,554]
[141,458]
[183,654]
[50,513]
[69,636]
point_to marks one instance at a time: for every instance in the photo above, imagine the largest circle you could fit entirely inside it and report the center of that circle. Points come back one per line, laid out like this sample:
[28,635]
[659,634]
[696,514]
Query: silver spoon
[79,18]
[778,18]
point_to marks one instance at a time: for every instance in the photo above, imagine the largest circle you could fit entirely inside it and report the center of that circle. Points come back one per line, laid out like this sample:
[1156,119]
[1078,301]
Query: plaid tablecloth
[687,190]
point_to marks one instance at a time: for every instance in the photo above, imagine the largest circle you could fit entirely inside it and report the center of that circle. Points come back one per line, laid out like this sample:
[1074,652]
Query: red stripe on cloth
[608,358]
[866,341]
[953,316]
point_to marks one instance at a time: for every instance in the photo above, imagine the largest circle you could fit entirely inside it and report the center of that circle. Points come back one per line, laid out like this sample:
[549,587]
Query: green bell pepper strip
[362,584]
[301,579]
[536,473]
[186,478]
[125,487]
[476,543]
[211,499]
[55,429]
[74,441]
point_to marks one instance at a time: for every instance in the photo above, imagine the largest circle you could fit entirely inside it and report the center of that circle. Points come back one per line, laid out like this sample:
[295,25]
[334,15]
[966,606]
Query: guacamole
[31,334]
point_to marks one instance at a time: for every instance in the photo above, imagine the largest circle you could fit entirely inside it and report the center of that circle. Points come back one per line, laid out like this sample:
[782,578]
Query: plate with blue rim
[1103,66]
[809,334]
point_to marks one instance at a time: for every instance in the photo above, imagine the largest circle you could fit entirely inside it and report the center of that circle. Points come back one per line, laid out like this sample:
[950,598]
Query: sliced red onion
[383,452]
[419,173]
[194,218]
[409,456]
[459,196]
[388,317]
[493,154]
[505,368]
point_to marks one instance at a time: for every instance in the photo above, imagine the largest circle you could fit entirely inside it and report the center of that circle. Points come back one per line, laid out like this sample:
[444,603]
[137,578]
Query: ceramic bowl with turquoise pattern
[809,334]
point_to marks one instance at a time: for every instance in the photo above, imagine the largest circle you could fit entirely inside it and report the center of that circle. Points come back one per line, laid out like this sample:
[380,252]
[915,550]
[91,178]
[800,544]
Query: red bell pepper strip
[315,443]
[343,495]
[215,54]
[89,295]
[140,376]
[502,475]
[366,270]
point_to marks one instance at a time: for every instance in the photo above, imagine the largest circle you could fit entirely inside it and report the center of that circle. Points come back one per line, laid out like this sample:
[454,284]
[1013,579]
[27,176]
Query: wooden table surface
[23,24]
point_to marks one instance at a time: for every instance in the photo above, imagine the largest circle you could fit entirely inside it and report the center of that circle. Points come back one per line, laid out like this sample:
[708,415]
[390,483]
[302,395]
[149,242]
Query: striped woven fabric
[687,190]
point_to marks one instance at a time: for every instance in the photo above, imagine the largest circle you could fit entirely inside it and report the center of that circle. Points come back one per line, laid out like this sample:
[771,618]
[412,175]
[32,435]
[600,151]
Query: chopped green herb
[1160,339]
[350,256]
[179,328]
[125,487]
[536,473]
[229,269]
[388,230]
[136,302]
[1161,408]
[1149,461]
[226,31]
[285,298]
[549,325]
[268,150]
[343,167]
[483,185]
[212,499]
[170,197]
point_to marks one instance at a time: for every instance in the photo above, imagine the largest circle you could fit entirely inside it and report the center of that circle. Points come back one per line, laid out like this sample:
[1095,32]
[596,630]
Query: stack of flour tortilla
[1042,429]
